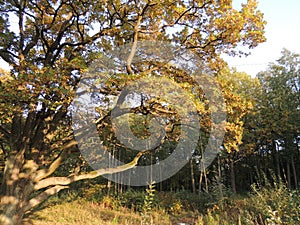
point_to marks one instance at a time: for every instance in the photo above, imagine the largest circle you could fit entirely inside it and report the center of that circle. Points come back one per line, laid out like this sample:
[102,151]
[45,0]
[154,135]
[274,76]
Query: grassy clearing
[80,212]
[273,204]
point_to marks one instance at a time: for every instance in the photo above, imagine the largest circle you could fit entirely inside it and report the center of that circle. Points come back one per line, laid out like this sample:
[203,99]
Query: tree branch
[5,132]
[33,42]
[134,45]
[43,196]
[43,173]
[53,181]
[8,56]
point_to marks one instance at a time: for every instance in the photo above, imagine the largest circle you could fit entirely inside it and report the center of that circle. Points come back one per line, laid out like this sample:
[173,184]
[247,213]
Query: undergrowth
[271,204]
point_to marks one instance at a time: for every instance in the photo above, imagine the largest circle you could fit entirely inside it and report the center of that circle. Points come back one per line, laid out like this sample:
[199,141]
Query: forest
[125,112]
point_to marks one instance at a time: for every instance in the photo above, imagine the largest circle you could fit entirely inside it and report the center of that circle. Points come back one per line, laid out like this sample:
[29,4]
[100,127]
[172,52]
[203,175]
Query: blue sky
[282,31]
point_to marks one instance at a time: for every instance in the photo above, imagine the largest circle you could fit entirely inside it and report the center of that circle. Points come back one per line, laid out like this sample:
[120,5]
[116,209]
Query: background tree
[278,116]
[238,89]
[49,44]
[270,141]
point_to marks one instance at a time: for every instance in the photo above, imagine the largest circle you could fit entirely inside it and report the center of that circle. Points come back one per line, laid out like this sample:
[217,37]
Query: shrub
[133,200]
[275,205]
[268,205]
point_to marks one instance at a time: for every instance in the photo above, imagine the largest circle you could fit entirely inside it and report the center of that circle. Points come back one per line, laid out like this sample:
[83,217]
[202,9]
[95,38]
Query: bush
[268,205]
[275,205]
[133,200]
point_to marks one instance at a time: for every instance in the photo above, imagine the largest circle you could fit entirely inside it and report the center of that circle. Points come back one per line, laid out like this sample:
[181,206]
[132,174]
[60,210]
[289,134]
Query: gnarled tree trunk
[24,186]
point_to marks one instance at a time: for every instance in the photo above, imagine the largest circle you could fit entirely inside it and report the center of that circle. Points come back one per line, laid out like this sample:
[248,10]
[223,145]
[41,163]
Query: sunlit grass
[80,212]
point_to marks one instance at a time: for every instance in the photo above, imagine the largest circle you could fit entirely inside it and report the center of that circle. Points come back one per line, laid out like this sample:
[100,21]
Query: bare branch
[135,40]
[41,174]
[5,132]
[42,197]
[8,56]
[52,181]
[33,41]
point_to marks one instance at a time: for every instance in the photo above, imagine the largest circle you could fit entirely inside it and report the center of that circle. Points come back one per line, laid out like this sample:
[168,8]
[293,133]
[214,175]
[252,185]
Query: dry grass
[81,212]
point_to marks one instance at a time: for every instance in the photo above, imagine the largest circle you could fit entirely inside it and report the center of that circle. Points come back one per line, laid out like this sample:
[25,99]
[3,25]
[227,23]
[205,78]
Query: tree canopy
[50,44]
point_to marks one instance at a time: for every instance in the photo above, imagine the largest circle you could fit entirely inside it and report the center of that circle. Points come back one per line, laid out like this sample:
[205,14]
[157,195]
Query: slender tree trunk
[251,178]
[294,172]
[220,178]
[206,181]
[232,176]
[161,183]
[192,176]
[288,170]
[200,182]
[284,173]
[239,220]
[276,159]
[203,175]
[108,187]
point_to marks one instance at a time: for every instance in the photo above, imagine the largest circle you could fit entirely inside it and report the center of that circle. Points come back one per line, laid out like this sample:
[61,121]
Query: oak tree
[49,44]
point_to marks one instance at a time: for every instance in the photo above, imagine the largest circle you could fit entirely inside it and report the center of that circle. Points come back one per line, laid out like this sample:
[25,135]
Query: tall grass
[271,204]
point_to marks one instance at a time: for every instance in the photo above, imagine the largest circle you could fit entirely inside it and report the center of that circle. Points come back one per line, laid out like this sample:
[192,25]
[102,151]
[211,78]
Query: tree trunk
[294,172]
[232,176]
[192,176]
[15,194]
[206,181]
[22,179]
[203,175]
[12,212]
[288,170]
[200,182]
[219,179]
[276,159]
[108,187]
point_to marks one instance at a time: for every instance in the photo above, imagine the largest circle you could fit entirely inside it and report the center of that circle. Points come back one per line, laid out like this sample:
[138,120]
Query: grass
[81,212]
[272,204]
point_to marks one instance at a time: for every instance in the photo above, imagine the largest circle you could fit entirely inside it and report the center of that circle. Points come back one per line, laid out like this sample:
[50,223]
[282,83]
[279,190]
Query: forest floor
[89,213]
[268,205]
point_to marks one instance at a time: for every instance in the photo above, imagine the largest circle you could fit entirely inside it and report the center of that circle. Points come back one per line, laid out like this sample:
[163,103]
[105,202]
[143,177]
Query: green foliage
[271,204]
[149,198]
[275,204]
[148,205]
[133,200]
[93,192]
[279,101]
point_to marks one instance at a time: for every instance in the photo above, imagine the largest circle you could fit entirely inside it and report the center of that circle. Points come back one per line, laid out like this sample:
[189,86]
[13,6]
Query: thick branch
[134,45]
[5,132]
[33,41]
[53,181]
[43,196]
[8,56]
[41,174]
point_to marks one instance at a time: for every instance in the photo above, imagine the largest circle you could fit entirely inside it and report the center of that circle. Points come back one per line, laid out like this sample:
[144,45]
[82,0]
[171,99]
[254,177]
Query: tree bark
[15,192]
[18,186]
[294,172]
[206,181]
[288,170]
[232,176]
[276,160]
[192,176]
[200,182]
[219,178]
